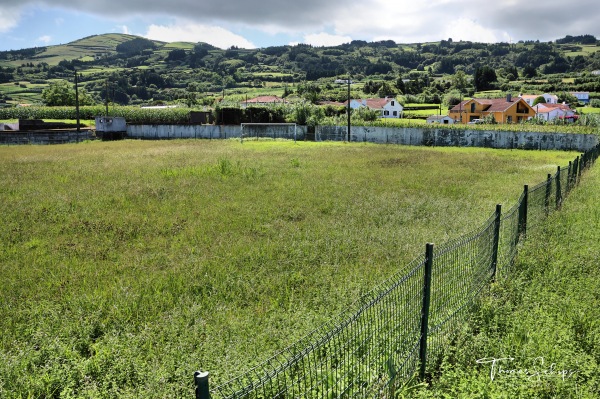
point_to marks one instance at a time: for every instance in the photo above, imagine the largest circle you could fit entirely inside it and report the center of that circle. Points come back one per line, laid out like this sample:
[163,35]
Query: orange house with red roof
[505,110]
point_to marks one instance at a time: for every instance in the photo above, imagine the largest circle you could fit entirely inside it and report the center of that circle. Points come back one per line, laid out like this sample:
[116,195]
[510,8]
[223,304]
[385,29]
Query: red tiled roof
[374,103]
[561,106]
[377,103]
[543,108]
[460,106]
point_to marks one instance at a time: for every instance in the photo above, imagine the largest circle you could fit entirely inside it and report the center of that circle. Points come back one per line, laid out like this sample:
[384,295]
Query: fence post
[496,240]
[425,308]
[201,382]
[523,212]
[558,189]
[581,166]
[570,178]
[547,199]
[576,172]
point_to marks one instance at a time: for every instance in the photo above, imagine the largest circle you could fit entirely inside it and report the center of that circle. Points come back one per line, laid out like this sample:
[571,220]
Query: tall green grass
[125,266]
[540,320]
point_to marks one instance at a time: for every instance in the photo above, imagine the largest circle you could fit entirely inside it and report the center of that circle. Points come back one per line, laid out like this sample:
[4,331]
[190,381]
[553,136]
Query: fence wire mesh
[461,269]
[364,354]
[536,205]
[509,236]
[372,350]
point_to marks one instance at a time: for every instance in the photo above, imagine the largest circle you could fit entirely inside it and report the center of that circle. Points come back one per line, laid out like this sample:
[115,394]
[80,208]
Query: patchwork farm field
[125,266]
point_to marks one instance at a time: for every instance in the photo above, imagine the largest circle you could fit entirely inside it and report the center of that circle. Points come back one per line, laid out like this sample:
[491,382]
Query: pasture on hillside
[125,266]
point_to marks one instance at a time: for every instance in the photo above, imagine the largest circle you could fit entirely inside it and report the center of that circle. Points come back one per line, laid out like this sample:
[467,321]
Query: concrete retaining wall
[211,131]
[385,135]
[460,138]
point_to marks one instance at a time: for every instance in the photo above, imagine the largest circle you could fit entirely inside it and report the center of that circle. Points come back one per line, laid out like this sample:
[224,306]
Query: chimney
[509,98]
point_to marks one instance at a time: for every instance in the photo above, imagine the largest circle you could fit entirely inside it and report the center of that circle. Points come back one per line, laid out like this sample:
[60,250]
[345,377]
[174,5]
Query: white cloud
[401,21]
[326,39]
[470,30]
[190,32]
[10,18]
[125,29]
[44,39]
[271,22]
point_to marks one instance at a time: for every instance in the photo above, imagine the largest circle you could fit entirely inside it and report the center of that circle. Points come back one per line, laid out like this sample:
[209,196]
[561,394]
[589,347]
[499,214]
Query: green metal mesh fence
[509,236]
[360,355]
[369,351]
[461,269]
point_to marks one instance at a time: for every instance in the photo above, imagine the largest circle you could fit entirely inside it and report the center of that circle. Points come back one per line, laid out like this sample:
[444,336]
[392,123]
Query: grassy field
[540,322]
[82,122]
[125,266]
[586,50]
[24,92]
[588,110]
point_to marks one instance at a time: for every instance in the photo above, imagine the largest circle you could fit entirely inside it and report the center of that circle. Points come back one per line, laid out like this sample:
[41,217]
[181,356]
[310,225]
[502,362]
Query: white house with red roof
[389,107]
[549,112]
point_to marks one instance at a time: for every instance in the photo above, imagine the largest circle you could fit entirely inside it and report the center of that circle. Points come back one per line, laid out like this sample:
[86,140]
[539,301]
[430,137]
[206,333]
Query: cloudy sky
[263,23]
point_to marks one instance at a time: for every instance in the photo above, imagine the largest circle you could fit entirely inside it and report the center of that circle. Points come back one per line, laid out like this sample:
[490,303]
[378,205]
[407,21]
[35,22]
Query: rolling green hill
[141,71]
[87,49]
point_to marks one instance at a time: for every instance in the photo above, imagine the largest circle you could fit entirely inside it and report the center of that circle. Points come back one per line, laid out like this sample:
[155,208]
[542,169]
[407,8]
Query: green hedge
[131,114]
[232,115]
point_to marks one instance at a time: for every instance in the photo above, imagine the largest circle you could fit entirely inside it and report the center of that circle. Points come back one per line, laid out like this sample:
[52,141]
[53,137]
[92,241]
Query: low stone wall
[46,137]
[460,138]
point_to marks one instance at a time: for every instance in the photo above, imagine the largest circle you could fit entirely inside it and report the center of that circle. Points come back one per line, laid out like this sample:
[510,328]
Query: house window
[445,121]
[392,103]
[386,113]
[395,113]
[472,107]
[509,119]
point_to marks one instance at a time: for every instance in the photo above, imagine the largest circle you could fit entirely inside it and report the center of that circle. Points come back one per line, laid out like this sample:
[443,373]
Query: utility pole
[348,111]
[106,98]
[77,102]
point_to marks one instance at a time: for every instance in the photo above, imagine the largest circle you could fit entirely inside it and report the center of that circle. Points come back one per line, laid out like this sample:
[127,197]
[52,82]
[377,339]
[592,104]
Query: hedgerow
[131,114]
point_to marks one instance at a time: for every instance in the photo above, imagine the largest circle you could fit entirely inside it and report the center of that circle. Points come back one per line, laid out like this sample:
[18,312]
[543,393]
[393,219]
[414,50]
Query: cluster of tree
[6,75]
[135,46]
[21,54]
[62,93]
[582,39]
